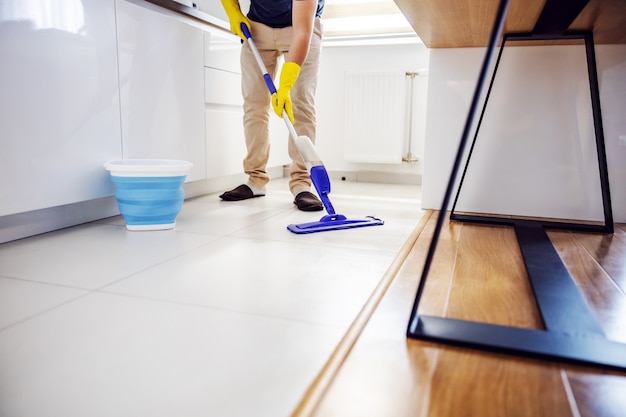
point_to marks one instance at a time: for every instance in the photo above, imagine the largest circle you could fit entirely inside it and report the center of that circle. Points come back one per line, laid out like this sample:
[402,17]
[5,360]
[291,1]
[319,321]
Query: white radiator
[375,119]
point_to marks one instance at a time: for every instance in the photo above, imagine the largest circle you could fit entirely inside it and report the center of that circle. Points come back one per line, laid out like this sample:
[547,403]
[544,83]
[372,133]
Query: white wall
[336,61]
[535,153]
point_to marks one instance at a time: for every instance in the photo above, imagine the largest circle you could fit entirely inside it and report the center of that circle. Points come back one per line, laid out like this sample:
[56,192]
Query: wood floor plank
[490,282]
[474,383]
[596,286]
[436,291]
[598,393]
[609,250]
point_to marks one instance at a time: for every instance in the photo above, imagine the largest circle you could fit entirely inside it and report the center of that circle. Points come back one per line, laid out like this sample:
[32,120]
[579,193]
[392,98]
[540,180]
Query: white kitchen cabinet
[161,80]
[279,138]
[59,102]
[225,143]
[535,154]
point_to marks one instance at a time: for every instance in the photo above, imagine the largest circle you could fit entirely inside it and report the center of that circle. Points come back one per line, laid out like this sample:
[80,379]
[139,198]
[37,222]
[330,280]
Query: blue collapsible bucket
[149,192]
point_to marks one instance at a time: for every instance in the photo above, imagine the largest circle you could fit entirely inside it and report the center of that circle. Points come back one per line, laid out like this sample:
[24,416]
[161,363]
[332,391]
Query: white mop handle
[308,152]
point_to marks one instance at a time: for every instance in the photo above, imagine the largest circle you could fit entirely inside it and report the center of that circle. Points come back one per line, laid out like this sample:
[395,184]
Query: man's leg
[303,98]
[256,105]
[256,116]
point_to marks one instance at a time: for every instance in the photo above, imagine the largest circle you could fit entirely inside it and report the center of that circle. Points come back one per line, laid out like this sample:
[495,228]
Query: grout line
[205,307]
[325,377]
[45,311]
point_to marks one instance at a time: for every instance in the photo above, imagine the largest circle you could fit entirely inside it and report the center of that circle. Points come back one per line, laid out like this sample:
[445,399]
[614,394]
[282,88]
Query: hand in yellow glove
[236,18]
[282,98]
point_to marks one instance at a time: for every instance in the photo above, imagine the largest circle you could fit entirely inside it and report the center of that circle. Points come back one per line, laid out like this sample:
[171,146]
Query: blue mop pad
[319,178]
[333,222]
[317,171]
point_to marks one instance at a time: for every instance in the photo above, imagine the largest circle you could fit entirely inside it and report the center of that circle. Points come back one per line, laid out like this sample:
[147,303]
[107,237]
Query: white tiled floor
[227,315]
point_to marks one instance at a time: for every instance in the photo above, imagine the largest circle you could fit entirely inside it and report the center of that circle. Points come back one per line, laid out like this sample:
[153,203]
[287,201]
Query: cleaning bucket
[149,192]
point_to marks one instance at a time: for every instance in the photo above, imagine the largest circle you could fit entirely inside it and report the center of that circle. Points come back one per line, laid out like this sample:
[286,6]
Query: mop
[317,170]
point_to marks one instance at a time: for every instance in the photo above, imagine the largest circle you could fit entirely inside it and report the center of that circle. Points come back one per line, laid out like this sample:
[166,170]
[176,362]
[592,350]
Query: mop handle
[267,77]
[318,173]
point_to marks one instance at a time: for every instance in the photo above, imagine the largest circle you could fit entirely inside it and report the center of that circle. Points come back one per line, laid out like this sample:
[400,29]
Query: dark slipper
[243,192]
[307,201]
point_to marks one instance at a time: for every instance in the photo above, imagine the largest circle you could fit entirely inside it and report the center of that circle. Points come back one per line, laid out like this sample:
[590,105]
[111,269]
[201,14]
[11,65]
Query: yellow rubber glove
[236,18]
[282,98]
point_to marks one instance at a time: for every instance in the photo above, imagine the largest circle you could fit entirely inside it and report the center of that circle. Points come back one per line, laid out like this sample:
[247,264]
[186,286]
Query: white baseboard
[31,223]
[377,177]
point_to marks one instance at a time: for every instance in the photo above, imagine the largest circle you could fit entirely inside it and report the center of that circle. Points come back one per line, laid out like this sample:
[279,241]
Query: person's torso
[276,13]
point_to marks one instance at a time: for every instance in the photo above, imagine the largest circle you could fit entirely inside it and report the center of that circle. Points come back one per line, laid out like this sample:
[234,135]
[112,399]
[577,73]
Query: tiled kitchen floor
[227,315]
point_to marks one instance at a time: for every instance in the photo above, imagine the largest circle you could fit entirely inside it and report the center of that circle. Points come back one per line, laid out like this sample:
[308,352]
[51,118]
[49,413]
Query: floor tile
[288,280]
[397,226]
[224,219]
[109,355]
[91,256]
[20,299]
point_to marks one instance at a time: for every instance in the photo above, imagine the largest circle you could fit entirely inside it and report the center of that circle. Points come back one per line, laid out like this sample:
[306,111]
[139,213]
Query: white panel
[222,50]
[279,138]
[225,144]
[375,116]
[161,80]
[225,140]
[221,87]
[59,102]
[537,140]
[535,154]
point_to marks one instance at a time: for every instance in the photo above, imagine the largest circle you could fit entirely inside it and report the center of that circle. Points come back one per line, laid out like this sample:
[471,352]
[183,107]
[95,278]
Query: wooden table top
[468,23]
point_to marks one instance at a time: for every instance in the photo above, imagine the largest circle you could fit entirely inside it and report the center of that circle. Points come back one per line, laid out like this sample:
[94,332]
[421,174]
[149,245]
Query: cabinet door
[225,144]
[224,113]
[161,87]
[59,103]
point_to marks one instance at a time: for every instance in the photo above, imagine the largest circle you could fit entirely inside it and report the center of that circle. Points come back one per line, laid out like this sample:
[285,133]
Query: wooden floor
[477,274]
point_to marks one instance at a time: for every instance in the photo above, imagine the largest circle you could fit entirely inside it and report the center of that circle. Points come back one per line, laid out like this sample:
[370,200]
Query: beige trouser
[272,43]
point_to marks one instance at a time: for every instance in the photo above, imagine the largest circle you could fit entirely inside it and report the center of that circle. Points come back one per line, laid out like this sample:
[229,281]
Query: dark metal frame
[572,333]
